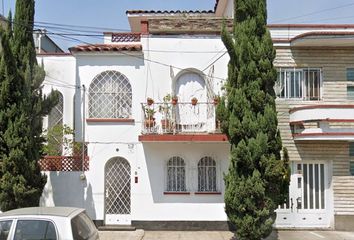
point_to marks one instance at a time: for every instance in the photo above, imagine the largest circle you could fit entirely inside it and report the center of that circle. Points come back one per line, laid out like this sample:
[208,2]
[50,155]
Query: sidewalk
[222,235]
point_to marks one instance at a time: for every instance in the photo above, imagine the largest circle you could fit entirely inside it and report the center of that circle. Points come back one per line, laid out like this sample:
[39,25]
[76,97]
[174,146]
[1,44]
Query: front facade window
[297,83]
[176,174]
[207,175]
[55,116]
[110,96]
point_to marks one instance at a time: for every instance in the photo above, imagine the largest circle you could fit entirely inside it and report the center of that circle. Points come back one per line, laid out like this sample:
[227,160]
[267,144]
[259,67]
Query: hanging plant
[194,101]
[216,100]
[149,101]
[174,100]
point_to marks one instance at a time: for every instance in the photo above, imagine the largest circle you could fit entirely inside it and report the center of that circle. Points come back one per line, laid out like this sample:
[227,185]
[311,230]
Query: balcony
[64,163]
[323,122]
[181,122]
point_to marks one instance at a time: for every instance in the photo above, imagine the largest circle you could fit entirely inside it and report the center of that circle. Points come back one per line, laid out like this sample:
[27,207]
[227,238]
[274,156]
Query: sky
[109,15]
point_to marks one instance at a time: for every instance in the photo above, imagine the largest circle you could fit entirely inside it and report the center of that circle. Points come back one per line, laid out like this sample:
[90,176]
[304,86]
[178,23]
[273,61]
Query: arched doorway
[117,191]
[191,118]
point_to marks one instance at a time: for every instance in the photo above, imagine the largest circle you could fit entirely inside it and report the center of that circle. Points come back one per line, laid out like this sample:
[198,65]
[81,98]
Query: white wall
[60,75]
[150,202]
[112,139]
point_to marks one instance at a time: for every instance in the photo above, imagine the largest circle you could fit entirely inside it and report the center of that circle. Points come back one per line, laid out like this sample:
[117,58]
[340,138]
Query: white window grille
[55,116]
[176,175]
[207,175]
[303,84]
[55,121]
[110,96]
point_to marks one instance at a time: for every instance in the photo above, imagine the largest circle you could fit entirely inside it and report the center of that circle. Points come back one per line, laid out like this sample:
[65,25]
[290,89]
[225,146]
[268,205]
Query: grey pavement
[222,235]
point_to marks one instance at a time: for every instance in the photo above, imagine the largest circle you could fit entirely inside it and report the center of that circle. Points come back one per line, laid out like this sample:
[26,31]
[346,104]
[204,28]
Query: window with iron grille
[55,126]
[55,116]
[207,175]
[176,175]
[110,96]
[299,83]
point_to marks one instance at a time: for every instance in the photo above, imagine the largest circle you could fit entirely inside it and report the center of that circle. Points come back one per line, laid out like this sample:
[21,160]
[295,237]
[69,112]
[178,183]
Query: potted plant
[194,101]
[149,101]
[174,100]
[149,118]
[165,110]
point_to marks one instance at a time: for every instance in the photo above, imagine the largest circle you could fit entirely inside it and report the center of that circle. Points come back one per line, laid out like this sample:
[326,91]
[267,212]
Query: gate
[117,192]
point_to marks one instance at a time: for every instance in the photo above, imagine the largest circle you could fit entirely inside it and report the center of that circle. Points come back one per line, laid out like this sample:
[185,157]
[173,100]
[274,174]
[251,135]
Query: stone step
[117,228]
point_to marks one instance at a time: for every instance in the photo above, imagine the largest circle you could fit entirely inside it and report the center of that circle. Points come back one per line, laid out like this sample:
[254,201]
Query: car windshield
[82,227]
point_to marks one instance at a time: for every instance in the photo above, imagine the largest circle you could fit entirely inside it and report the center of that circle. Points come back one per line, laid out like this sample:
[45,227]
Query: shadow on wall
[67,189]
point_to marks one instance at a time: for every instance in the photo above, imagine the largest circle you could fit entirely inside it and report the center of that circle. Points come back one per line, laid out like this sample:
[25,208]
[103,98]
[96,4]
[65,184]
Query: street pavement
[222,235]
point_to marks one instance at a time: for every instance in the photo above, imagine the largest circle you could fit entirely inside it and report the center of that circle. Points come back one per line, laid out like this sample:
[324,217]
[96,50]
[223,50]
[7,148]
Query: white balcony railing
[167,118]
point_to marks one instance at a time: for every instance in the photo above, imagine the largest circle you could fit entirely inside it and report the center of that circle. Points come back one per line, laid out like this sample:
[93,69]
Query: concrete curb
[122,235]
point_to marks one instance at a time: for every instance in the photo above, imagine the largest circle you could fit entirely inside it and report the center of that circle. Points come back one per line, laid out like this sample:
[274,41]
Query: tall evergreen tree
[257,179]
[22,108]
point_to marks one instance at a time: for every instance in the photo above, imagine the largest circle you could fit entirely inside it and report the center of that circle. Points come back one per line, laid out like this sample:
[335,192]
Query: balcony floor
[183,138]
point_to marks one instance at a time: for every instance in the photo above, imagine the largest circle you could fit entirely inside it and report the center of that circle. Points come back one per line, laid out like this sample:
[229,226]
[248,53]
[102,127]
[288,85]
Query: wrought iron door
[117,191]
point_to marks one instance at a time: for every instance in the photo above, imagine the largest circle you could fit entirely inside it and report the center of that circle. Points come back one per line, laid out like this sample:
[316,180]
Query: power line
[315,12]
[143,58]
[80,26]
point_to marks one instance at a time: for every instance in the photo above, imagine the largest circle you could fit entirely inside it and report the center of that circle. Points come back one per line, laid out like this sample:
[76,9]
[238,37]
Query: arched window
[110,96]
[55,128]
[55,116]
[207,175]
[176,175]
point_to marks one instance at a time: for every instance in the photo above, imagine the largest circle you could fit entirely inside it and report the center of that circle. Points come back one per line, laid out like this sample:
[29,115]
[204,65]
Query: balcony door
[191,117]
[308,197]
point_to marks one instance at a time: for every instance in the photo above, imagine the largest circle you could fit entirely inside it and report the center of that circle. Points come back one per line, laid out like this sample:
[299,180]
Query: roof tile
[106,48]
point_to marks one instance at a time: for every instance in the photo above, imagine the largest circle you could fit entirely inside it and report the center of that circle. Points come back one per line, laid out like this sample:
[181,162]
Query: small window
[351,158]
[350,74]
[350,92]
[5,227]
[299,84]
[83,227]
[207,175]
[35,230]
[176,175]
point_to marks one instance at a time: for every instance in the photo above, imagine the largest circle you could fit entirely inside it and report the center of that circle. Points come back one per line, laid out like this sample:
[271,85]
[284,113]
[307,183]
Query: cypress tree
[22,108]
[257,180]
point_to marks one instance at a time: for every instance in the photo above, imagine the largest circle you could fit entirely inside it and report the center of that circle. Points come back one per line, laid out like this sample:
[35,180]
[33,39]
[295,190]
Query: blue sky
[111,13]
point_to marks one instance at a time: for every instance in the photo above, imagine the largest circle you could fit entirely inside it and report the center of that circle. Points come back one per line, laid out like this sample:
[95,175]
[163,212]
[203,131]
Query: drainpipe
[82,176]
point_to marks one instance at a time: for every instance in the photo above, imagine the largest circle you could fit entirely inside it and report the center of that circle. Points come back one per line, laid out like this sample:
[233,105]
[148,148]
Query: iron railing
[168,118]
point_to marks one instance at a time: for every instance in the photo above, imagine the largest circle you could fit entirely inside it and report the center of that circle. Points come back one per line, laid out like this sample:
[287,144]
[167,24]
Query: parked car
[47,223]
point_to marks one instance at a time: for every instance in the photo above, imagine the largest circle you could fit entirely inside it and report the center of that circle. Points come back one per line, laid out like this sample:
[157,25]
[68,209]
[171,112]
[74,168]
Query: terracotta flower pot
[194,101]
[149,101]
[149,123]
[174,101]
[165,124]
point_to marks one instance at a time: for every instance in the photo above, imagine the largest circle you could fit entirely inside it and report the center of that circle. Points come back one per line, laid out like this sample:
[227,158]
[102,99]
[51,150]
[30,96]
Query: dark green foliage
[257,180]
[22,108]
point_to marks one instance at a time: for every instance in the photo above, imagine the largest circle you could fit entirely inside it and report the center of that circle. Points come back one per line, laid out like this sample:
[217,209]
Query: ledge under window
[176,193]
[109,120]
[207,193]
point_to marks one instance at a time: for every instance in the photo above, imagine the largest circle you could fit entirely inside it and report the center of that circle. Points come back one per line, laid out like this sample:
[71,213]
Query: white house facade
[159,164]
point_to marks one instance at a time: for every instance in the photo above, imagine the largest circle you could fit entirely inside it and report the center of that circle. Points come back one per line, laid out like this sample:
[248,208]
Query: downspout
[82,176]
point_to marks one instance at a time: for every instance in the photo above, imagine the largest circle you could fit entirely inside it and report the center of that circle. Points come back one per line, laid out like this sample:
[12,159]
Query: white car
[49,223]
